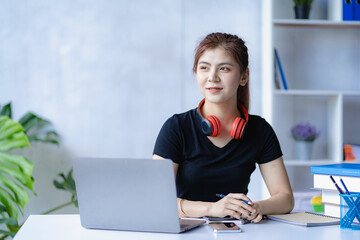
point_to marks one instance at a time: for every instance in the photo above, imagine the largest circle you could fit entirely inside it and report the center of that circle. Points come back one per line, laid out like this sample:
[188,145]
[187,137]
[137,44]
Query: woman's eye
[225,69]
[203,67]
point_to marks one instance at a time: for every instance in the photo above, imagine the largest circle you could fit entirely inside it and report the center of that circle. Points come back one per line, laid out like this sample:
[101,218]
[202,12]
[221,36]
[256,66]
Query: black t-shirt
[205,169]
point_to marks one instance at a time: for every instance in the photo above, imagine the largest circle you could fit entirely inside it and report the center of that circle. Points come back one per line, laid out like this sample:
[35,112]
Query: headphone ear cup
[237,129]
[215,125]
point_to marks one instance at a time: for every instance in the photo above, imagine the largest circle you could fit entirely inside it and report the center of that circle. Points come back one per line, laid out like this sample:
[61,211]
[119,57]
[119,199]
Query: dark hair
[233,45]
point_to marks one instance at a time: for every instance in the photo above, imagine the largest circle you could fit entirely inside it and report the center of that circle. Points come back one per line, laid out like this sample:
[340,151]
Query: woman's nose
[213,77]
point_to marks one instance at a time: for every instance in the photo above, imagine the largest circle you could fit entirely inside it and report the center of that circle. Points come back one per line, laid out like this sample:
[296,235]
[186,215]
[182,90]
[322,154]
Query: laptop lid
[127,194]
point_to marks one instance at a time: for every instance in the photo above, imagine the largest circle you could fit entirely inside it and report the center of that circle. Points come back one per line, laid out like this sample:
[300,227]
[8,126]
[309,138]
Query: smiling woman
[216,146]
[218,75]
[234,54]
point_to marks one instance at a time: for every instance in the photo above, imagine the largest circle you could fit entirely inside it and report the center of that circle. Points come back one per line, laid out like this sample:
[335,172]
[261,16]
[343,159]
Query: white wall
[109,73]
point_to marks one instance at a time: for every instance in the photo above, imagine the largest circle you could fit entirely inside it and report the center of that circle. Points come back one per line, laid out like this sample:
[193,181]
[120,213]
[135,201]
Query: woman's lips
[214,89]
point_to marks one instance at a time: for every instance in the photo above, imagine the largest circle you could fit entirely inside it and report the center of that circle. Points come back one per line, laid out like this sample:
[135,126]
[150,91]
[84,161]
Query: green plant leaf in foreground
[15,174]
[11,135]
[24,165]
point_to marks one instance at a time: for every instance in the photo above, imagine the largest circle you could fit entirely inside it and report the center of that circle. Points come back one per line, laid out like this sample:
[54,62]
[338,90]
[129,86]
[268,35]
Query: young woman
[215,147]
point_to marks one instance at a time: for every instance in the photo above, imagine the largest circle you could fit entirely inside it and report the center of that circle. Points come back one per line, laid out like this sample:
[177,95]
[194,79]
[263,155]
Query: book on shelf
[284,84]
[277,82]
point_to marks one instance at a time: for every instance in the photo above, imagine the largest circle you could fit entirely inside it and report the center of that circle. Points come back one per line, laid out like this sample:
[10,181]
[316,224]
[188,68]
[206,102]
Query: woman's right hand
[233,206]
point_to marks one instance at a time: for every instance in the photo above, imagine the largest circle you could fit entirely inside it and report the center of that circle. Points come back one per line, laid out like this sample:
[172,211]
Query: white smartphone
[225,227]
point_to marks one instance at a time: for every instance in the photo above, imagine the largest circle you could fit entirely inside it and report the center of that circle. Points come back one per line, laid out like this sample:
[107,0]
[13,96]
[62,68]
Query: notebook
[128,194]
[307,219]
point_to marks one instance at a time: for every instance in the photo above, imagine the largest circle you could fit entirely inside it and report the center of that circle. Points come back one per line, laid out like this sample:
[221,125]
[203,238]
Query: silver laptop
[128,194]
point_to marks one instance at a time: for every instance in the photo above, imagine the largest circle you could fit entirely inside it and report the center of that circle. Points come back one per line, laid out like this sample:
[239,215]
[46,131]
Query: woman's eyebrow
[203,62]
[220,64]
[225,63]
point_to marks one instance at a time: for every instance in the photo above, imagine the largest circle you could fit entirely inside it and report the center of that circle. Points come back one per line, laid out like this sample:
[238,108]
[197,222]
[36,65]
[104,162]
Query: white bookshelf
[315,23]
[321,62]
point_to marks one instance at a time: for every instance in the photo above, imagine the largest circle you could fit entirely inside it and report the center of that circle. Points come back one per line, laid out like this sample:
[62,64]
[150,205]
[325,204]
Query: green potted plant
[16,170]
[302,8]
[15,174]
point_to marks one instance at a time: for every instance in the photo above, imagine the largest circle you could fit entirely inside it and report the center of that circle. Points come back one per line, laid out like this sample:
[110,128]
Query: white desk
[68,227]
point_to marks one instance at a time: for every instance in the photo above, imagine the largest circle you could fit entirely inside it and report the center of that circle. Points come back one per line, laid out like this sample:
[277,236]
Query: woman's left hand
[257,215]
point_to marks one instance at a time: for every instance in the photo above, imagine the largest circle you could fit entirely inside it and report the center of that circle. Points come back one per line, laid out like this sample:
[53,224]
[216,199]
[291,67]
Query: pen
[222,195]
[342,182]
[337,187]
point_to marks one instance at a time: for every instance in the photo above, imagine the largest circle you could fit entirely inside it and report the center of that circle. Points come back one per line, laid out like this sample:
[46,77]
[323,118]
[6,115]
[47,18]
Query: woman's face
[219,76]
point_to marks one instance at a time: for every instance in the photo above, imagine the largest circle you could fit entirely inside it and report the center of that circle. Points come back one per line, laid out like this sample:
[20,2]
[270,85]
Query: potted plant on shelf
[302,8]
[304,135]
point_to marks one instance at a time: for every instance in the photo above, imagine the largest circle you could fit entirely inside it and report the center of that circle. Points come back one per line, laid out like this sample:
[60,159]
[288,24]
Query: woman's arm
[193,208]
[277,182]
[231,205]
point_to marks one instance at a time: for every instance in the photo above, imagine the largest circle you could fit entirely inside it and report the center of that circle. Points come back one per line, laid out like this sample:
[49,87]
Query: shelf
[315,23]
[294,162]
[316,92]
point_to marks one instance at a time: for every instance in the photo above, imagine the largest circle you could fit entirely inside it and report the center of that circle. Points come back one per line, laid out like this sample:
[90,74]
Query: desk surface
[56,227]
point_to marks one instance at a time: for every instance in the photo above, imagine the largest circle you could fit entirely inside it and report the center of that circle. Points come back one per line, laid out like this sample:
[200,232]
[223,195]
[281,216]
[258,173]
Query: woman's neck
[226,112]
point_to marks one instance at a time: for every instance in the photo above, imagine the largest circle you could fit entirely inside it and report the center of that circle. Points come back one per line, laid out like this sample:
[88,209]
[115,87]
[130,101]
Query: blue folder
[348,10]
[356,10]
[341,169]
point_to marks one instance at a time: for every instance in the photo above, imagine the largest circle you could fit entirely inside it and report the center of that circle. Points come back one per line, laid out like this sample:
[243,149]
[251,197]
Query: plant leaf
[9,202]
[8,127]
[71,180]
[12,234]
[26,180]
[21,195]
[2,208]
[6,110]
[68,184]
[31,120]
[19,140]
[36,138]
[35,128]
[10,221]
[21,162]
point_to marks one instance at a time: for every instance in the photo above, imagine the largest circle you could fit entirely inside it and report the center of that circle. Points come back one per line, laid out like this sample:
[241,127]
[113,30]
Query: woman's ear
[244,78]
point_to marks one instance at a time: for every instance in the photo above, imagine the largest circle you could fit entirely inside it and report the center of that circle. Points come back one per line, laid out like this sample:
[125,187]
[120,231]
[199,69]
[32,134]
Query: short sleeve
[170,141]
[271,149]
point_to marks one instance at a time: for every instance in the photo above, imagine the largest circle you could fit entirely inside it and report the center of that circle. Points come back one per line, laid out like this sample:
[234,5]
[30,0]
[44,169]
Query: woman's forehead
[217,54]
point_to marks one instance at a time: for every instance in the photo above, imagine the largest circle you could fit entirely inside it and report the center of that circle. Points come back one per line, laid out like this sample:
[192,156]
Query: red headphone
[211,126]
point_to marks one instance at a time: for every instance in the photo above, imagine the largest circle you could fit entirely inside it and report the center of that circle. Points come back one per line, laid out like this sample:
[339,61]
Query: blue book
[281,70]
[356,10]
[341,169]
[348,10]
